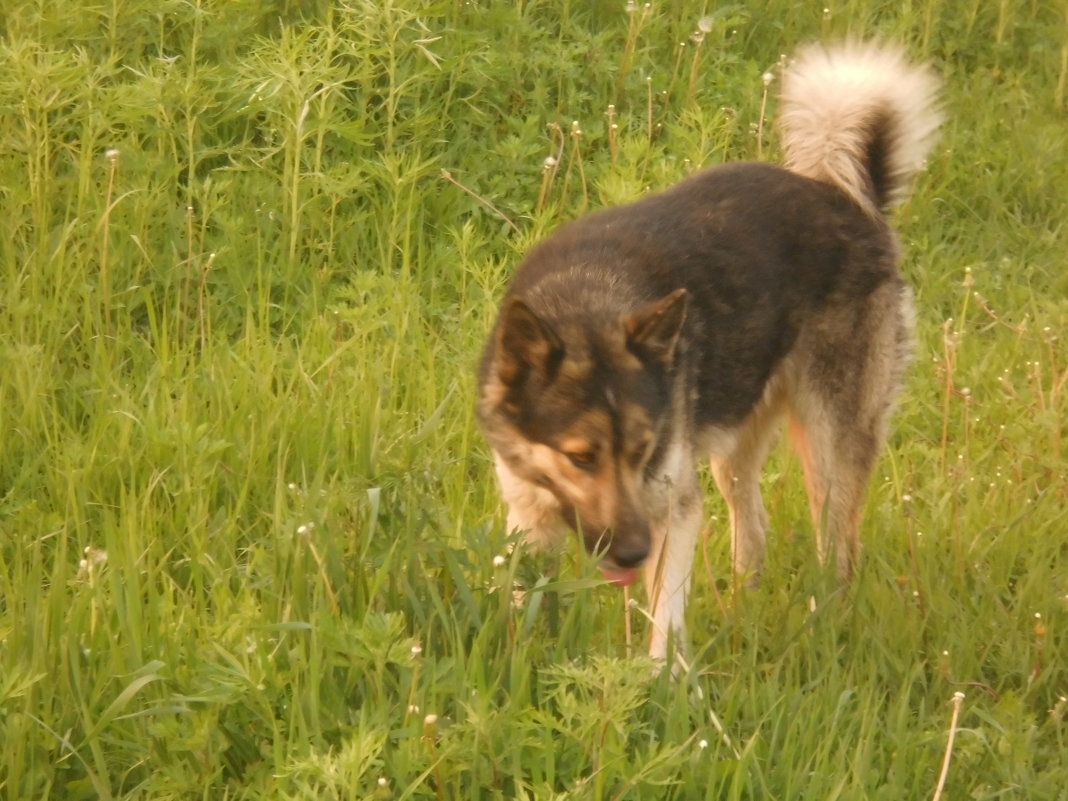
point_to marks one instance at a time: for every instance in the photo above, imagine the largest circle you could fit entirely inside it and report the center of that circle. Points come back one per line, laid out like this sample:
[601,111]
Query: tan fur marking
[593,428]
[575,369]
[493,392]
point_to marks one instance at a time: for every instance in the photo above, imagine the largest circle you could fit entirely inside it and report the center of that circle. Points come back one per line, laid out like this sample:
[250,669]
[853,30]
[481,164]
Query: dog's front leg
[668,571]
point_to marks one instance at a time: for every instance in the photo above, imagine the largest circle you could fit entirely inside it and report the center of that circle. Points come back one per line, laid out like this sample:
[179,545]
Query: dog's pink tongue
[621,577]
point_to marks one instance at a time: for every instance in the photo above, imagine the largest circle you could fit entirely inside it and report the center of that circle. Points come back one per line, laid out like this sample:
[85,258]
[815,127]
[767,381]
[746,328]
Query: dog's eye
[583,460]
[640,454]
[641,449]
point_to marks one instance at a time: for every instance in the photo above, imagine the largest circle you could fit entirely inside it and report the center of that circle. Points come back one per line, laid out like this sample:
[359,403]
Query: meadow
[250,541]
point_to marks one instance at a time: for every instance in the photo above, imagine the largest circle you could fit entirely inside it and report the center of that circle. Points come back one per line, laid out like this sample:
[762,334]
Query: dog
[693,321]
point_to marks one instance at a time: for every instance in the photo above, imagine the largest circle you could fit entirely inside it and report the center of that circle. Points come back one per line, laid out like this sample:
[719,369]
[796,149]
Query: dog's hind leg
[737,472]
[837,462]
[839,413]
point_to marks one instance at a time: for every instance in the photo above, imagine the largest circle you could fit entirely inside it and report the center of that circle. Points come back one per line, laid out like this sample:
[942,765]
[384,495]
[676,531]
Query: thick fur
[638,339]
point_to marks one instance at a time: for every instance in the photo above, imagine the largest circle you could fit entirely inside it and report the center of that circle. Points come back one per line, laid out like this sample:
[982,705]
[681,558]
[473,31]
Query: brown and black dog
[691,322]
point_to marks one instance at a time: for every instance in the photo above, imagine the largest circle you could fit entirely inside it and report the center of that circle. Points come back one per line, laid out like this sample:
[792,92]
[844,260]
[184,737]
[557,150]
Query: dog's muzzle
[625,555]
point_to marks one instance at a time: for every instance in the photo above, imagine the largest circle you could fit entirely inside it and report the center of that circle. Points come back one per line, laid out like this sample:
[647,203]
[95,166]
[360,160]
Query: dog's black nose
[629,555]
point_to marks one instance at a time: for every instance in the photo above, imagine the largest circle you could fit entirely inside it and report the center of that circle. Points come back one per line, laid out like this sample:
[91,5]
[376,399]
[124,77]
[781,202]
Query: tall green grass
[250,544]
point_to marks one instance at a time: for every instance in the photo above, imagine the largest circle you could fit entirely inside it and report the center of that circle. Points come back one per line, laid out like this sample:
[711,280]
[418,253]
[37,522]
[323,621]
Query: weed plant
[250,543]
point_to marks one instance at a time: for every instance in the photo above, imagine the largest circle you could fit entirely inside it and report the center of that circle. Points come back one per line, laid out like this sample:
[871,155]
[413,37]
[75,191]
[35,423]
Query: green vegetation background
[248,255]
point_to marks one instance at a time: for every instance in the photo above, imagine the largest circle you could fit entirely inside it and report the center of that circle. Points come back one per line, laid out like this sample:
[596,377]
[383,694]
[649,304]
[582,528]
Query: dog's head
[579,404]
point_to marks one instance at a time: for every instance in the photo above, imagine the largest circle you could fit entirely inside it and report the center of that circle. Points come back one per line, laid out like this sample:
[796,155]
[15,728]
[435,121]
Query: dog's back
[758,249]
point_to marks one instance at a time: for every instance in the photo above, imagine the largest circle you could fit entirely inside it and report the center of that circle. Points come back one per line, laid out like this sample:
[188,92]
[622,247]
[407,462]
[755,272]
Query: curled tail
[860,117]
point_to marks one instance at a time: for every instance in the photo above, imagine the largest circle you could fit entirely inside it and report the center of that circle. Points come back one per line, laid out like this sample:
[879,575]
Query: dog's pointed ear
[653,331]
[525,344]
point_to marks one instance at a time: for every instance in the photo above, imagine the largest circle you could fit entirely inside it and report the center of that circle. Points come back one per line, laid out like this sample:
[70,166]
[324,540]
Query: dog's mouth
[620,576]
[621,561]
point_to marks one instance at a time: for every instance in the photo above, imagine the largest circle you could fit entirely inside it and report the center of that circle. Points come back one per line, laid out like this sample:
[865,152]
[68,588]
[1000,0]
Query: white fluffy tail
[861,117]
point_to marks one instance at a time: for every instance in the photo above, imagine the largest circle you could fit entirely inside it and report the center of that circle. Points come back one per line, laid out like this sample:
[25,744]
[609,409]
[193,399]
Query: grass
[248,255]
